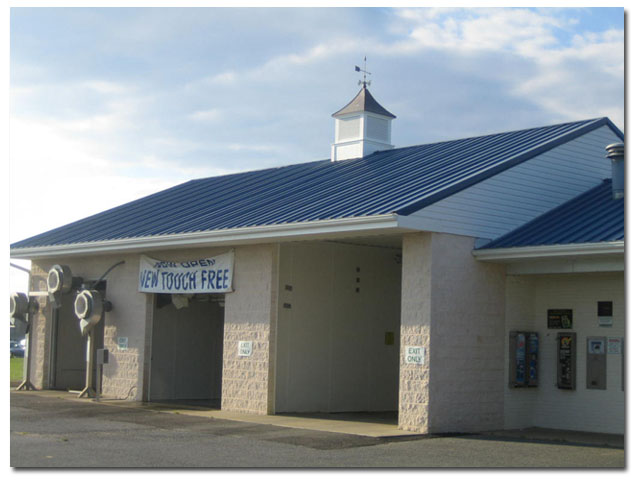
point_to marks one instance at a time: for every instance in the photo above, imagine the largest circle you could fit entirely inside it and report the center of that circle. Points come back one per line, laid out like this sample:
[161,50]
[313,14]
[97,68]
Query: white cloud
[575,79]
[168,168]
[224,78]
[106,87]
[57,178]
[281,66]
[211,115]
[251,147]
[488,29]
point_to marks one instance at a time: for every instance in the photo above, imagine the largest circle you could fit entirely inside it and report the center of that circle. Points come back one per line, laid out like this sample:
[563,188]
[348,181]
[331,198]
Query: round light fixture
[59,279]
[89,307]
[19,304]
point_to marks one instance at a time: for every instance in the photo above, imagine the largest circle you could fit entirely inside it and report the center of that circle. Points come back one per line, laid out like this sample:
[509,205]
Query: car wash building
[468,285]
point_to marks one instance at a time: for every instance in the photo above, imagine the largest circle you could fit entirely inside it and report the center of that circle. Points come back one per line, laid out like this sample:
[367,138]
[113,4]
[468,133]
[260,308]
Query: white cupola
[362,127]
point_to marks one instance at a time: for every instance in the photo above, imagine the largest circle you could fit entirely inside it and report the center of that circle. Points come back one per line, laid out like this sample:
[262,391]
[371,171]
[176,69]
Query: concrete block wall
[250,315]
[455,306]
[123,375]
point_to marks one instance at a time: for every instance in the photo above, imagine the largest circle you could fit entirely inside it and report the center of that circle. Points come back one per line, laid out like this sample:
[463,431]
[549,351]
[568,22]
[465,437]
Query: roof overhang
[549,251]
[315,230]
[570,258]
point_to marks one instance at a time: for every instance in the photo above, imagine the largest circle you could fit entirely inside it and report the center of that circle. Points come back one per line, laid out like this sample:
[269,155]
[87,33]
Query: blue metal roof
[399,181]
[592,217]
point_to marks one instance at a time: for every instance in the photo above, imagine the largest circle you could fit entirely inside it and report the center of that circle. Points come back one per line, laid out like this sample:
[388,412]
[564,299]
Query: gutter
[549,251]
[237,236]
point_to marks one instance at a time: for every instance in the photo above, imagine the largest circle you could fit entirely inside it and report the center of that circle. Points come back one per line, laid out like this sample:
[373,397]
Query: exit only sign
[414,355]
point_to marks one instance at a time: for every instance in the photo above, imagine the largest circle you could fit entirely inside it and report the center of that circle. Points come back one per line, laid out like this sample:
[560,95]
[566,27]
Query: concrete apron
[350,424]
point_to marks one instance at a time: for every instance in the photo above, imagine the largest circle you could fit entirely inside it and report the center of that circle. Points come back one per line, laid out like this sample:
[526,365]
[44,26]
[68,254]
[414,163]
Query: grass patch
[16,369]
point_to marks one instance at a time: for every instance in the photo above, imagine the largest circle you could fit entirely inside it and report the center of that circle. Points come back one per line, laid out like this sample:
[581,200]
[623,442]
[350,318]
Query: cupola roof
[364,102]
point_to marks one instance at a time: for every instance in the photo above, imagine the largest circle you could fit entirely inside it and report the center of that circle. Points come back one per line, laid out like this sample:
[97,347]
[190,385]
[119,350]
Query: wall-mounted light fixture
[21,306]
[89,307]
[61,281]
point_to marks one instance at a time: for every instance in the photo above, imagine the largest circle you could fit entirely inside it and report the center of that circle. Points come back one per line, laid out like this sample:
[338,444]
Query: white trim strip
[550,251]
[236,236]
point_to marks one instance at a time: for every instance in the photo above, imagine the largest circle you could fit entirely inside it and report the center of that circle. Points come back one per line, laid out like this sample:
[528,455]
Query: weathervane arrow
[364,81]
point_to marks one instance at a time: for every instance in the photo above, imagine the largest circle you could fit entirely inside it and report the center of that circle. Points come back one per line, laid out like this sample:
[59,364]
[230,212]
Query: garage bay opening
[69,347]
[338,330]
[186,349]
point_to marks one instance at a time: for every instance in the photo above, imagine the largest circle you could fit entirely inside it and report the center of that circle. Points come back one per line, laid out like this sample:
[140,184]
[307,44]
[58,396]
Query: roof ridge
[506,132]
[579,128]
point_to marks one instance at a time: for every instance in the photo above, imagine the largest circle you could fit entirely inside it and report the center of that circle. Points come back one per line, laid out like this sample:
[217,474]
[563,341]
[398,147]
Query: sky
[111,104]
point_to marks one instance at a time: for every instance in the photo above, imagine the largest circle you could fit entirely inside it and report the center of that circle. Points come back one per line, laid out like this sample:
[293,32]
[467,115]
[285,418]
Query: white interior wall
[331,341]
[528,299]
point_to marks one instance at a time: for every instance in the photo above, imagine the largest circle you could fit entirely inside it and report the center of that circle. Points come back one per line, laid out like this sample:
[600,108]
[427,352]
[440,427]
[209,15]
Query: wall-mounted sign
[560,318]
[245,349]
[614,345]
[123,343]
[204,275]
[595,345]
[605,314]
[414,355]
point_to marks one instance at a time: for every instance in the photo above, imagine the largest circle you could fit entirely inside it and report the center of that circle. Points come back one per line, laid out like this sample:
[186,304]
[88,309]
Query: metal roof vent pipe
[615,152]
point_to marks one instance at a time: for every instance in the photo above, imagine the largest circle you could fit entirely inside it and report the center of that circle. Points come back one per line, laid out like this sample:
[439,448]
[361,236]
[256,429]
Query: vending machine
[566,364]
[523,354]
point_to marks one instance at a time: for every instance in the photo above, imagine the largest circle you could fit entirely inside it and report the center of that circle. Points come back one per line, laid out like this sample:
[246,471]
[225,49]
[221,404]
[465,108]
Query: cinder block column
[415,326]
[467,338]
[248,382]
[40,332]
[453,307]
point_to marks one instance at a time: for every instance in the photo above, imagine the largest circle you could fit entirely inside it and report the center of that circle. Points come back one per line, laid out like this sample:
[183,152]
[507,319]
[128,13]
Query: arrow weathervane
[364,81]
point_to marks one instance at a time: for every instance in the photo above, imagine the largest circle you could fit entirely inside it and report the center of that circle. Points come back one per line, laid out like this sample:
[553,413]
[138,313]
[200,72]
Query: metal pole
[98,381]
[26,368]
[88,391]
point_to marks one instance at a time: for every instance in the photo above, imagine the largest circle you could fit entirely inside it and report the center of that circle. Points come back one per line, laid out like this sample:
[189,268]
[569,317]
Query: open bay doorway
[186,349]
[338,337]
[69,346]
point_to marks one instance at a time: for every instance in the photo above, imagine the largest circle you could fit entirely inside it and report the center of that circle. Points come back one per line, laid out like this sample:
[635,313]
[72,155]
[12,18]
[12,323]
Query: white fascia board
[238,236]
[572,250]
[414,222]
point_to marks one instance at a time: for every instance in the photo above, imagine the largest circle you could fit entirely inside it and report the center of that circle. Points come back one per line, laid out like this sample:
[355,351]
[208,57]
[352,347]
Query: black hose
[107,272]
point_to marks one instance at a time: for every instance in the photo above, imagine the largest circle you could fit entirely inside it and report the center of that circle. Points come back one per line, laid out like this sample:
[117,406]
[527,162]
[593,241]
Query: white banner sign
[204,275]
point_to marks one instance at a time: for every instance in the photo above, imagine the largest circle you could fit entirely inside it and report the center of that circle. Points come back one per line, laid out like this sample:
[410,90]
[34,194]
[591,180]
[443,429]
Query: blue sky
[115,103]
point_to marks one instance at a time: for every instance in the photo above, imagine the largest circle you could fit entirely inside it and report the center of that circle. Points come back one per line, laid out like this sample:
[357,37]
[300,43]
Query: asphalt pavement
[51,432]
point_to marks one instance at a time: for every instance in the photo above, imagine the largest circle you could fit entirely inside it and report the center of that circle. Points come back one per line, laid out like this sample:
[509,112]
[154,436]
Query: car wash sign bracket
[203,275]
